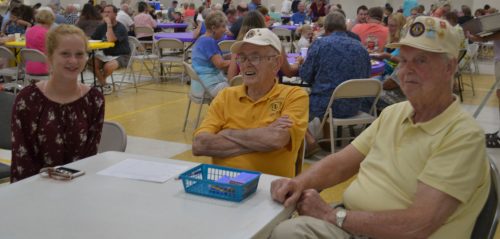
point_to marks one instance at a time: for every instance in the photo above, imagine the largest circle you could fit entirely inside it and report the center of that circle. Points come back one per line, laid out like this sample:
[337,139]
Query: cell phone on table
[69,171]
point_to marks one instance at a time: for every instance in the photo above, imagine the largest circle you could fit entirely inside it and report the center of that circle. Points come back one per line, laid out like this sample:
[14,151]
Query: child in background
[178,19]
[306,35]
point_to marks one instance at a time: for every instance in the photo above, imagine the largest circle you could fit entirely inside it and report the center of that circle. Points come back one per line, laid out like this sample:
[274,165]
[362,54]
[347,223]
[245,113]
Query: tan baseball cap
[259,37]
[431,34]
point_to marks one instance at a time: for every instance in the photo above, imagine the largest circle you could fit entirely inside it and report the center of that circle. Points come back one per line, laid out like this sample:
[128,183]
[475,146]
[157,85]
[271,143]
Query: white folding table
[97,206]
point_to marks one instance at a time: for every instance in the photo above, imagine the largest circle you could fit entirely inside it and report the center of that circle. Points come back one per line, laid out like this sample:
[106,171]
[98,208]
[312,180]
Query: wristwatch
[340,216]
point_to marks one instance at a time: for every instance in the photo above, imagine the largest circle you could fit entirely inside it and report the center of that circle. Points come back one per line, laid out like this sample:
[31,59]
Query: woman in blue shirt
[207,57]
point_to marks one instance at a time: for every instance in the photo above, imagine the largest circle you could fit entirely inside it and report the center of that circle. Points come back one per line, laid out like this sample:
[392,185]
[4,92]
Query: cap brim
[418,46]
[235,48]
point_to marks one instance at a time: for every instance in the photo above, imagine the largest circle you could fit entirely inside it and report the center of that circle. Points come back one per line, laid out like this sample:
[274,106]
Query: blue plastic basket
[204,180]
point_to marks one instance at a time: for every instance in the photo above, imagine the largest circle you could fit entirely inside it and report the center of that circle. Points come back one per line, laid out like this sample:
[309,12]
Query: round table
[289,27]
[183,36]
[172,25]
[93,45]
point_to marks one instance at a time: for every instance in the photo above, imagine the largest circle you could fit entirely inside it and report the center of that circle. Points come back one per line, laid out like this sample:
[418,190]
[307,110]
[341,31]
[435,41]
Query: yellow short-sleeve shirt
[447,153]
[233,109]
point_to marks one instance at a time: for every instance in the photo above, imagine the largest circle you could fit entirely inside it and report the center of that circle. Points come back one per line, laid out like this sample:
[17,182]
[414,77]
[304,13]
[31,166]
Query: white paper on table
[144,170]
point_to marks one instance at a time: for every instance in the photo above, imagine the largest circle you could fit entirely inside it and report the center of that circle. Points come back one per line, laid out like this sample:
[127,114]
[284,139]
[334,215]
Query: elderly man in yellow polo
[421,167]
[259,125]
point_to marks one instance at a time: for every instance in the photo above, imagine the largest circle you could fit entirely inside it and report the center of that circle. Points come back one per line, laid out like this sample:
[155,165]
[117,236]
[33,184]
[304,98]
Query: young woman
[58,121]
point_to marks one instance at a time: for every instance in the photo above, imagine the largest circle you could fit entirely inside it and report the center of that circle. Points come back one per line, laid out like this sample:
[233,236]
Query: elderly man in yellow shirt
[261,124]
[421,167]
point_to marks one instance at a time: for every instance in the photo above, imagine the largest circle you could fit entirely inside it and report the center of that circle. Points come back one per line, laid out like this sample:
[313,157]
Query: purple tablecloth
[183,36]
[377,66]
[172,25]
[289,27]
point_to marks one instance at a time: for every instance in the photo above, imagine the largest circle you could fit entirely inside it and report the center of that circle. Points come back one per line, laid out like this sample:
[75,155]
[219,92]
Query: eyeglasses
[254,59]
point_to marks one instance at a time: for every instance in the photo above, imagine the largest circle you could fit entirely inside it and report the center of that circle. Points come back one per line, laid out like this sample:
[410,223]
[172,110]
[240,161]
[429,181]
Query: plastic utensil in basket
[220,182]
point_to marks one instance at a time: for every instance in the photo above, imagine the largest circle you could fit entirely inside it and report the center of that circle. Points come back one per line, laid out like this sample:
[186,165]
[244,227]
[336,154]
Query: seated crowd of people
[422,169]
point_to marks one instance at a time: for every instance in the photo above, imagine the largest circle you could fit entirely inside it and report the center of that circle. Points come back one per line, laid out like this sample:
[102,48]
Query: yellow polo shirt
[447,153]
[233,109]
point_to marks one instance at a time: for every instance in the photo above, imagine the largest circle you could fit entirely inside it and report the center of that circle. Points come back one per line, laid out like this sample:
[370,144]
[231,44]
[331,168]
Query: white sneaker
[107,89]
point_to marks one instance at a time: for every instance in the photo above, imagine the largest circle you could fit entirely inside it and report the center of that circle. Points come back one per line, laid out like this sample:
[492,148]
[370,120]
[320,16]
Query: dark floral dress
[46,133]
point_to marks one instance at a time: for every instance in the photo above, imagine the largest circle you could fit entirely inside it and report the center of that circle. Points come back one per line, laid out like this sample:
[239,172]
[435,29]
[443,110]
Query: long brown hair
[253,19]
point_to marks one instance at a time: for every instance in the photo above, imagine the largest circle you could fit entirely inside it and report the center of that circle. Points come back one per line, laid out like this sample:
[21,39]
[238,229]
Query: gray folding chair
[285,34]
[6,104]
[113,138]
[225,46]
[144,30]
[32,55]
[138,54]
[487,221]
[357,88]
[205,99]
[170,51]
[11,72]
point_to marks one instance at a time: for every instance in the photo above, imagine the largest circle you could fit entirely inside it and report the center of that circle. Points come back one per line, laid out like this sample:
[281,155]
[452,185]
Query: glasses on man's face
[254,59]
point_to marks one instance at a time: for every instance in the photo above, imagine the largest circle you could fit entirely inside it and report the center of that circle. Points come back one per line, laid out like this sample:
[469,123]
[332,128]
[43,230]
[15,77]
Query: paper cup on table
[303,52]
[17,36]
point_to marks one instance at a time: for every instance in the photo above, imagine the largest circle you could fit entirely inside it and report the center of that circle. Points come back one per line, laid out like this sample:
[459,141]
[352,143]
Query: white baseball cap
[259,37]
[431,34]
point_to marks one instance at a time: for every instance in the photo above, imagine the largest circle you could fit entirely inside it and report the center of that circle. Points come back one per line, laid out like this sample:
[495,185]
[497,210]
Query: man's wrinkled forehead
[252,49]
[409,52]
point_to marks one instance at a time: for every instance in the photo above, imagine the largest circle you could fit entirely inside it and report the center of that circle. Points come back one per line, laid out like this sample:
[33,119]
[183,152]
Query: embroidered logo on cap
[417,29]
[250,34]
[429,22]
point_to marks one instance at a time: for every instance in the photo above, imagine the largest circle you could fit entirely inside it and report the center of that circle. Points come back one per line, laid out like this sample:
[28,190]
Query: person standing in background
[286,7]
[361,16]
[124,18]
[254,4]
[226,5]
[408,5]
[171,10]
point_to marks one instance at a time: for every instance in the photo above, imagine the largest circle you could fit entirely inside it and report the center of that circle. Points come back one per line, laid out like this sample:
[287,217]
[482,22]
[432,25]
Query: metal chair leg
[332,136]
[187,114]
[199,113]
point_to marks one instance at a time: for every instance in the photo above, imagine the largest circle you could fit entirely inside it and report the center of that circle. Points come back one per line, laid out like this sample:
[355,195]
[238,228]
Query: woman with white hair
[35,39]
[207,58]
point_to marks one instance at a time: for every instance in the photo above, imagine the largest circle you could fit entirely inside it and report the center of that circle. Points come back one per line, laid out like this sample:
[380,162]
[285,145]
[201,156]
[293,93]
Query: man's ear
[278,62]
